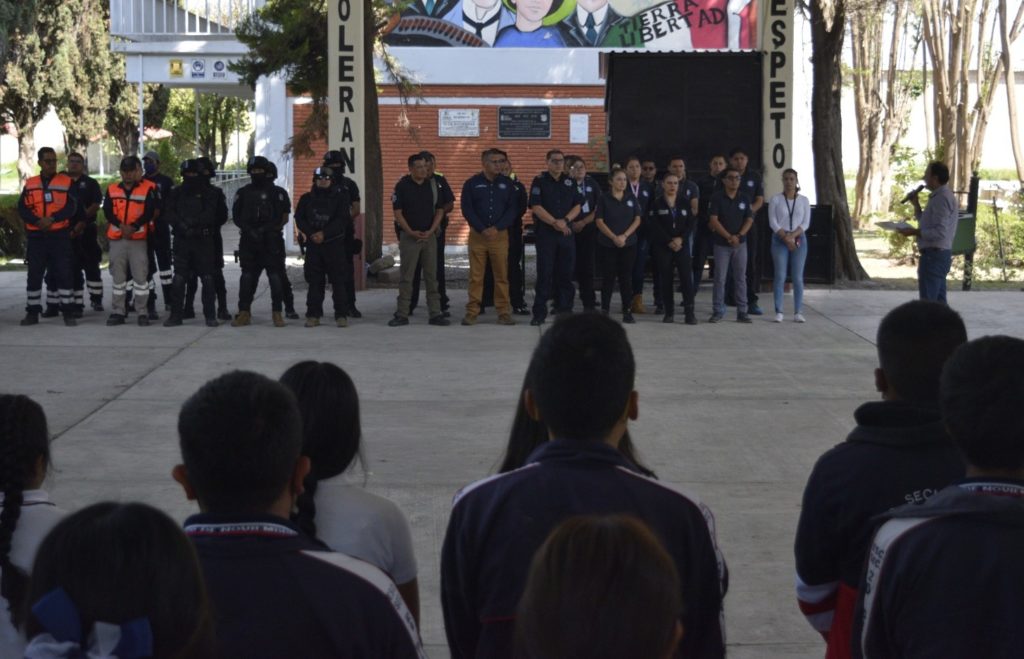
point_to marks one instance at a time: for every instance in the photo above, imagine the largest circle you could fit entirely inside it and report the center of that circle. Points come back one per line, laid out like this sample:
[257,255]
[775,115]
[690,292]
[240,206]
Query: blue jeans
[932,269]
[793,263]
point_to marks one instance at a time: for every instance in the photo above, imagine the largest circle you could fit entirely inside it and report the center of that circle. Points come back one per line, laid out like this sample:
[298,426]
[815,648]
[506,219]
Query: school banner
[677,25]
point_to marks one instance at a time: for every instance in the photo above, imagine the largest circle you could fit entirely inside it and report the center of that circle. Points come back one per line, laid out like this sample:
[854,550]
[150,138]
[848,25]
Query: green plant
[12,229]
[906,166]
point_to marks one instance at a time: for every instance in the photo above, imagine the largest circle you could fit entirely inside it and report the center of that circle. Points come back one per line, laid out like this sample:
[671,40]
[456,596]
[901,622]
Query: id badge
[48,197]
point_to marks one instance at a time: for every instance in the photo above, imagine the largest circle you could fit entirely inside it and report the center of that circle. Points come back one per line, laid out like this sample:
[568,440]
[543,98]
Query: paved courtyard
[734,413]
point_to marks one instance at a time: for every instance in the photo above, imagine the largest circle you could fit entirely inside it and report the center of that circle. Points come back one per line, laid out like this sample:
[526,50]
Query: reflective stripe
[141,291]
[35,295]
[119,287]
[95,286]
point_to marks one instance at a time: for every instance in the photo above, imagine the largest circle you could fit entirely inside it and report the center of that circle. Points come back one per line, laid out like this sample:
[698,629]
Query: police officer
[324,216]
[670,222]
[160,239]
[206,173]
[286,285]
[259,212]
[444,198]
[752,186]
[85,250]
[335,160]
[195,211]
[516,276]
[585,230]
[709,184]
[640,184]
[129,207]
[556,203]
[47,208]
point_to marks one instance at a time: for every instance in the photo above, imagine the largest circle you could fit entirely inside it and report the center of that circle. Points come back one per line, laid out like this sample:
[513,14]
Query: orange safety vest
[47,201]
[128,208]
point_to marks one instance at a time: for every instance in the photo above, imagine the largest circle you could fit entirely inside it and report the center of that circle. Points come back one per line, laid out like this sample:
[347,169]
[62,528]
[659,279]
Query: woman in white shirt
[789,215]
[341,514]
[27,514]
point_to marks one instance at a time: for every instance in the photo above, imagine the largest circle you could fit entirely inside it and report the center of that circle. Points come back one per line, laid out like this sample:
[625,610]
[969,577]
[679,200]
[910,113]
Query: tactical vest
[196,206]
[259,205]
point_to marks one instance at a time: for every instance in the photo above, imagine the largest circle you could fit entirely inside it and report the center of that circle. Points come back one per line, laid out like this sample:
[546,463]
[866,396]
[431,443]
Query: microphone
[913,193]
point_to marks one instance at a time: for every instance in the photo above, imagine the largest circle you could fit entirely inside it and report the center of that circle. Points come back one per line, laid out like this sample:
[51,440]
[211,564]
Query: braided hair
[24,439]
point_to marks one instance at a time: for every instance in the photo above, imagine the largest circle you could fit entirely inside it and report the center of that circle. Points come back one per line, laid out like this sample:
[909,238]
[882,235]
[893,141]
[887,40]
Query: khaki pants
[413,251]
[480,251]
[122,254]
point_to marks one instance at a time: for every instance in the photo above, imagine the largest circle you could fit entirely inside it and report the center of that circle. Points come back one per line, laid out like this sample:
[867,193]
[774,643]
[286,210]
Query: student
[26,515]
[618,219]
[118,579]
[943,578]
[344,516]
[898,453]
[497,524]
[275,591]
[601,588]
[789,216]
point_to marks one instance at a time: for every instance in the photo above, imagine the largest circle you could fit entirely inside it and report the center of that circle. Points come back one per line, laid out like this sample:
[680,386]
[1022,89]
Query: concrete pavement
[735,413]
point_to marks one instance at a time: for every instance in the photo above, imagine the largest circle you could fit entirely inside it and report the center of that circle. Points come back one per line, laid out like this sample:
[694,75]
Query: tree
[83,108]
[123,108]
[15,16]
[289,37]
[219,118]
[36,73]
[1009,76]
[958,36]
[828,22]
[883,90]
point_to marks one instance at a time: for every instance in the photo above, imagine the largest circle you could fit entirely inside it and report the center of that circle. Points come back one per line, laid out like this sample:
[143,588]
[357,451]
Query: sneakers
[31,318]
[398,321]
[743,318]
[468,320]
[438,320]
[242,318]
[715,318]
[778,317]
[143,320]
[505,319]
[521,311]
[341,321]
[278,319]
[115,319]
[627,318]
[312,321]
[755,310]
[799,318]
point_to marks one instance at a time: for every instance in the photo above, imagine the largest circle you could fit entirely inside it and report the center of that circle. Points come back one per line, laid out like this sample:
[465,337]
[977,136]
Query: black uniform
[160,263]
[195,212]
[443,196]
[644,193]
[258,210]
[220,286]
[48,252]
[516,276]
[586,243]
[752,186]
[617,262]
[327,210]
[556,253]
[664,223]
[86,254]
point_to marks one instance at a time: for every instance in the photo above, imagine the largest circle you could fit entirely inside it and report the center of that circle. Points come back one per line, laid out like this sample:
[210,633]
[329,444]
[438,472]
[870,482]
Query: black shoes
[439,321]
[173,321]
[669,318]
[291,315]
[521,311]
[143,320]
[115,319]
[31,318]
[627,318]
[69,320]
[212,322]
[536,322]
[352,311]
[743,318]
[398,321]
[223,314]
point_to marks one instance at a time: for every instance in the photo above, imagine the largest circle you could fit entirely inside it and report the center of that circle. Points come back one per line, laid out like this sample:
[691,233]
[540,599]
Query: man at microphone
[936,228]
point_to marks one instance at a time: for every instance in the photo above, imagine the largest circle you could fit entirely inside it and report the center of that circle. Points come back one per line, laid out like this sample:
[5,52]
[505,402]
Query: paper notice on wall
[579,128]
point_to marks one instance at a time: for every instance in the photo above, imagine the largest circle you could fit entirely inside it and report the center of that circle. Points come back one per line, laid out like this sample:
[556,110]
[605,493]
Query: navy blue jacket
[488,204]
[497,525]
[556,196]
[278,593]
[943,579]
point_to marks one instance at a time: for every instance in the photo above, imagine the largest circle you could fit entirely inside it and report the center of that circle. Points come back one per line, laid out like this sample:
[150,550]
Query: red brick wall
[458,158]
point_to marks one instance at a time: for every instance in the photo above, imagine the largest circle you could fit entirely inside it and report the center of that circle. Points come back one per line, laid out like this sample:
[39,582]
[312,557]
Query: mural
[656,24]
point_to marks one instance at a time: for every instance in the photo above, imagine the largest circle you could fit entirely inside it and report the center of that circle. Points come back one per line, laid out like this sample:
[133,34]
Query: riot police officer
[335,160]
[206,173]
[195,211]
[259,212]
[286,284]
[323,215]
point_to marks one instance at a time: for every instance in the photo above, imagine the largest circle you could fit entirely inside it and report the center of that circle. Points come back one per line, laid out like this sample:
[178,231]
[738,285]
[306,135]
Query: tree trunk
[373,195]
[28,161]
[1010,84]
[828,22]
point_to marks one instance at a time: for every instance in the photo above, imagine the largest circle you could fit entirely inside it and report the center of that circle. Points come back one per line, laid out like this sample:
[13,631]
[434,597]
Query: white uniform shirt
[352,521]
[37,517]
[780,208]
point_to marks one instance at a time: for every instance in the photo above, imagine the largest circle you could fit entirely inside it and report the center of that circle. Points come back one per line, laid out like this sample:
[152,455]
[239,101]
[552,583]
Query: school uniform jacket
[497,525]
[899,453]
[278,593]
[943,579]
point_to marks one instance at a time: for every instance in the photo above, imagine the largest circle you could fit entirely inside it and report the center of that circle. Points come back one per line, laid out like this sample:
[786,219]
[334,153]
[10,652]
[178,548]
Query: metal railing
[135,19]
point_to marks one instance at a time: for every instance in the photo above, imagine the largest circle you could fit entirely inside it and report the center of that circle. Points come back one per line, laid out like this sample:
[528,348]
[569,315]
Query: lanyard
[791,210]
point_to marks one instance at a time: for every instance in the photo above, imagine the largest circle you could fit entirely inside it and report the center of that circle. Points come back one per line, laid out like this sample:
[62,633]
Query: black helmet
[271,170]
[258,162]
[323,172]
[206,167]
[335,159]
[190,167]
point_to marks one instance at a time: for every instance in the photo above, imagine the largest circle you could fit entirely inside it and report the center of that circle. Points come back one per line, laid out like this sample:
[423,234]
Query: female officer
[789,216]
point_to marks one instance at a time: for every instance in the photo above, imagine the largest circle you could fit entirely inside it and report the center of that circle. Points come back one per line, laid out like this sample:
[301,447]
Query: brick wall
[458,158]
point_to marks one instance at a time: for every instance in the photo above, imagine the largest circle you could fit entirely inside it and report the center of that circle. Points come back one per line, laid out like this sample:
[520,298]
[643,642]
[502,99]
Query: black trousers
[670,263]
[220,286]
[48,254]
[196,259]
[616,263]
[442,288]
[86,256]
[556,261]
[160,261]
[586,246]
[755,263]
[327,262]
[256,254]
[516,276]
[703,249]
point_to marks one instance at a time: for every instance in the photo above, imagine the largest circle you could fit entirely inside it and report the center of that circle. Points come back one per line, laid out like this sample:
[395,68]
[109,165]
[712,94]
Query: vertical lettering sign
[778,94]
[346,73]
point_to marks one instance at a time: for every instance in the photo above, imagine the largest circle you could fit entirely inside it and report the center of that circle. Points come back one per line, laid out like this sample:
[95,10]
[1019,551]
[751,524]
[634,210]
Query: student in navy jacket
[943,578]
[497,524]
[275,591]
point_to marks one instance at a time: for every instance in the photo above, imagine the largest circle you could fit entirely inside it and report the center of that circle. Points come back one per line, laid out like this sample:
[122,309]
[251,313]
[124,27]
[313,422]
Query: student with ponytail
[26,515]
[339,513]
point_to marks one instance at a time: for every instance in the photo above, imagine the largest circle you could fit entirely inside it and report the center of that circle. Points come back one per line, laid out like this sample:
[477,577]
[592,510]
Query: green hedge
[12,229]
